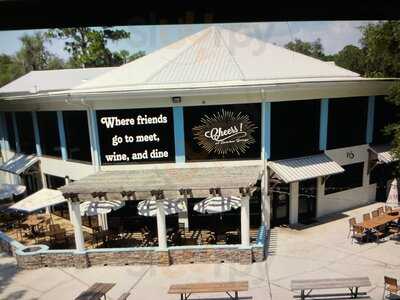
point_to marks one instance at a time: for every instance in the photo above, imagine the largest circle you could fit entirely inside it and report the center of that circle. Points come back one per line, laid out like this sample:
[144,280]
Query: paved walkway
[319,251]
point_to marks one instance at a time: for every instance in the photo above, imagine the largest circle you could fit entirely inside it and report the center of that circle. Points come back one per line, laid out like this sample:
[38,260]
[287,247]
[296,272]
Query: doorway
[307,201]
[280,204]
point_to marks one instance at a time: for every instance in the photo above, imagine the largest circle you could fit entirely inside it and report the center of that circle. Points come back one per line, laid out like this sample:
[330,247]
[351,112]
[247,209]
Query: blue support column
[37,134]
[266,130]
[61,131]
[370,120]
[17,143]
[323,124]
[179,135]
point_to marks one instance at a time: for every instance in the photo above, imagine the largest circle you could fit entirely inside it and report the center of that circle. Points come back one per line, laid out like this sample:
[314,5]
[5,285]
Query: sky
[334,35]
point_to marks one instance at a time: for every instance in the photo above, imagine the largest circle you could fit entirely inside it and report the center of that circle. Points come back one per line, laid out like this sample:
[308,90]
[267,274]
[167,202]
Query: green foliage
[381,42]
[313,49]
[393,130]
[32,56]
[351,58]
[88,47]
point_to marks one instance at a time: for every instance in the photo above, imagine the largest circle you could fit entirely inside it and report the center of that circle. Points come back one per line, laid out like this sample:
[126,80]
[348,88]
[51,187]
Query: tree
[9,69]
[32,56]
[313,49]
[351,58]
[123,56]
[89,47]
[381,42]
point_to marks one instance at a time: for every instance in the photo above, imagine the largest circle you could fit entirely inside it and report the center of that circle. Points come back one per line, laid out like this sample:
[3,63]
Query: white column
[320,196]
[183,217]
[161,228]
[294,203]
[245,221]
[75,217]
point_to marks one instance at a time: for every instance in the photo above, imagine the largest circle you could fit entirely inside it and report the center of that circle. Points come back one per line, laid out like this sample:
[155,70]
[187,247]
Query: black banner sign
[136,135]
[223,132]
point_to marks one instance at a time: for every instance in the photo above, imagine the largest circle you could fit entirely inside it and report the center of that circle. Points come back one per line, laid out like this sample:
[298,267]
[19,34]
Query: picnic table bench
[307,286]
[96,291]
[185,290]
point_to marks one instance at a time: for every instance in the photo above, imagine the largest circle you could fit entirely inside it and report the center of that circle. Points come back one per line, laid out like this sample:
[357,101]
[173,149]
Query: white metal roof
[306,167]
[41,199]
[19,163]
[216,55]
[51,80]
[383,153]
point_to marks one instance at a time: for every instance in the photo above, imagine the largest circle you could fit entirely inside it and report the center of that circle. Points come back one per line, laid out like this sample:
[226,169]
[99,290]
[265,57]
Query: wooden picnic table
[307,286]
[96,291]
[185,290]
[380,220]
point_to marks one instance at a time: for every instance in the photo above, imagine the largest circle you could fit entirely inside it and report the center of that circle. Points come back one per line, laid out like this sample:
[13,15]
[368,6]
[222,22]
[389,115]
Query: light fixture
[176,99]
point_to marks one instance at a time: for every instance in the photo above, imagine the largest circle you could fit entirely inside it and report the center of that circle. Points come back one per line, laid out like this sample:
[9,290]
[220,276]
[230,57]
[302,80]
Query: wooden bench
[185,290]
[307,286]
[96,291]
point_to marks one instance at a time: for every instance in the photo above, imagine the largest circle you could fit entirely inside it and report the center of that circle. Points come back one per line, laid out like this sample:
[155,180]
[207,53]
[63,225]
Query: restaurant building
[217,113]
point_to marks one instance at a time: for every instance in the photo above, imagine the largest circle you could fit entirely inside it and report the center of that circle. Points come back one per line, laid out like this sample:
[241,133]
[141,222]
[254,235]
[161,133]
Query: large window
[25,132]
[294,128]
[10,131]
[222,132]
[385,114]
[77,135]
[48,130]
[351,178]
[347,122]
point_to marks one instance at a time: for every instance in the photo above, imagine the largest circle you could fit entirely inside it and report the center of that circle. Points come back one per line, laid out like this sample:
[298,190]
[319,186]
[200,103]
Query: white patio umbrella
[8,190]
[148,207]
[393,197]
[217,204]
[93,208]
[41,199]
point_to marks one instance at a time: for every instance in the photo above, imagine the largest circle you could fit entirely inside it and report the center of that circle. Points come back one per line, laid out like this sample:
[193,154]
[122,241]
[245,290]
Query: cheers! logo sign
[225,132]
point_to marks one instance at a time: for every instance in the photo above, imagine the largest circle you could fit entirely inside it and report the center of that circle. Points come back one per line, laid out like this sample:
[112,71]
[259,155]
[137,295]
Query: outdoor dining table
[96,291]
[380,220]
[33,222]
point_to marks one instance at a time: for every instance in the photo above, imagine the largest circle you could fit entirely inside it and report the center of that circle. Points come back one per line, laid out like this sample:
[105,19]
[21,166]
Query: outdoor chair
[380,210]
[391,286]
[358,234]
[388,209]
[54,227]
[366,217]
[352,222]
[376,234]
[375,213]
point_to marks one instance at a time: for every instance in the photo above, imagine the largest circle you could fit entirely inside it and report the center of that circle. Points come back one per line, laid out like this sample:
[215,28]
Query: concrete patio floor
[320,251]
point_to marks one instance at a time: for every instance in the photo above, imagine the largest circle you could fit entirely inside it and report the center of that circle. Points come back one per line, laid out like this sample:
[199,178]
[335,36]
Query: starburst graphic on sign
[225,132]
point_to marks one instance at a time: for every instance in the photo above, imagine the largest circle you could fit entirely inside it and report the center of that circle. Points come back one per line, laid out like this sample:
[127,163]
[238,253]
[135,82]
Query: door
[307,201]
[280,204]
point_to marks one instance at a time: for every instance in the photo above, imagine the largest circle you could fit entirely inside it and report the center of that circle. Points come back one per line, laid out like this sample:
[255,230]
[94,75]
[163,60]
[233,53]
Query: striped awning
[382,153]
[306,167]
[19,163]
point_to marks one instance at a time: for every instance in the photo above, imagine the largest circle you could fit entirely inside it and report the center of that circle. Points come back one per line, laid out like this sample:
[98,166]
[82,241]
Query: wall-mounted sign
[223,132]
[136,135]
